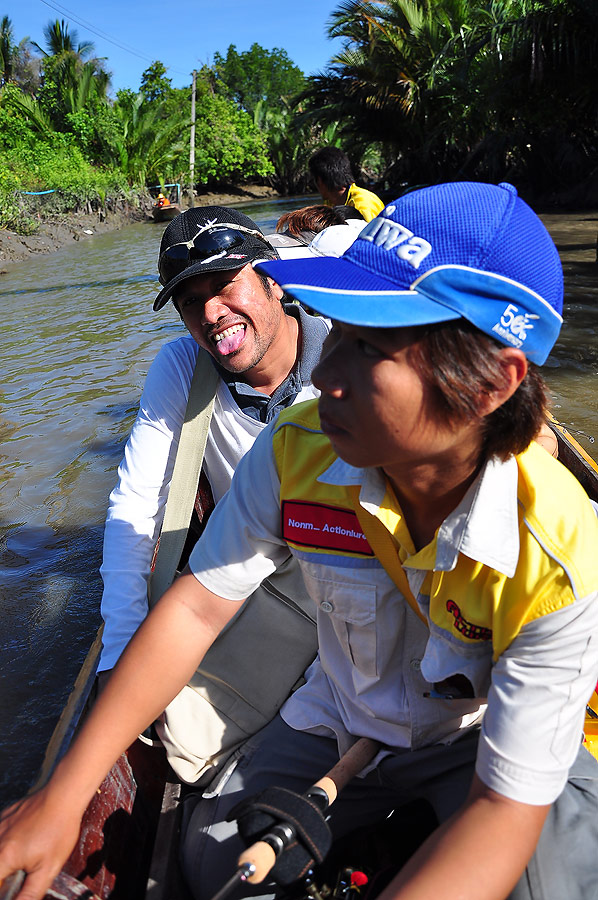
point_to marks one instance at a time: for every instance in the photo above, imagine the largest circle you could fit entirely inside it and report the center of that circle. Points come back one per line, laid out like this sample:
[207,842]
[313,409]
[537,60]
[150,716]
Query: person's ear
[514,367]
[277,291]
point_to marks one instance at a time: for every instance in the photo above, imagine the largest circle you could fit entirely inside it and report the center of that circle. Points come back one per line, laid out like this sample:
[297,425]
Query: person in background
[297,228]
[312,219]
[331,171]
[314,230]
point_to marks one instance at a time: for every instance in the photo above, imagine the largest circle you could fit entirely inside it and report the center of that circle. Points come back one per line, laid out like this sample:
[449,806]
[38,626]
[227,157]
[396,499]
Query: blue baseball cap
[461,250]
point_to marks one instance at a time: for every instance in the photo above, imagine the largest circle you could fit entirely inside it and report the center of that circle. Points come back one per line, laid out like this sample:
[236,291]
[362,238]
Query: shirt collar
[484,526]
[313,331]
[371,481]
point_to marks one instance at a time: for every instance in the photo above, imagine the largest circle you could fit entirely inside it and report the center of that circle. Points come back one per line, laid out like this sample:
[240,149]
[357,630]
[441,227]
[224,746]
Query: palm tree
[536,63]
[59,41]
[7,50]
[291,140]
[467,87]
[149,143]
[389,82]
[72,78]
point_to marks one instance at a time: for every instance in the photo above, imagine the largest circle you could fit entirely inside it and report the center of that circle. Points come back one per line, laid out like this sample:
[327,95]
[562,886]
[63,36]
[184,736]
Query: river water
[78,335]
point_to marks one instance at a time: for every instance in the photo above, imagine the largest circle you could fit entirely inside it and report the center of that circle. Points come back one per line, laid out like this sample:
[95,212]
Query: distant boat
[166,206]
[164,213]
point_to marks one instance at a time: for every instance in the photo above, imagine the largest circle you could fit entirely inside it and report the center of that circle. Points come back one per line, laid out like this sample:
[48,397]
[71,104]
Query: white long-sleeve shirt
[137,502]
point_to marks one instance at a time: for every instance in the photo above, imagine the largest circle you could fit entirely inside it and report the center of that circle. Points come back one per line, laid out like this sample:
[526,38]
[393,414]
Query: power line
[79,21]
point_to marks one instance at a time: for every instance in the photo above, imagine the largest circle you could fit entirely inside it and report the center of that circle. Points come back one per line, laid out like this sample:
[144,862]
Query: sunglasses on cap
[210,242]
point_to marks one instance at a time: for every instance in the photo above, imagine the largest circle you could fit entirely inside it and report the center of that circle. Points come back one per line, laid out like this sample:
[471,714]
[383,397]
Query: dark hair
[332,166]
[309,218]
[348,212]
[459,365]
[265,280]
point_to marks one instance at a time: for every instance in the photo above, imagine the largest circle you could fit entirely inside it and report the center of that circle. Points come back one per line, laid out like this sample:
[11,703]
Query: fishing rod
[295,823]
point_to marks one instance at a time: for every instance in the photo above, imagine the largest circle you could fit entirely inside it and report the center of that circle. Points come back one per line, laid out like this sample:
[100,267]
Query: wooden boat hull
[165,213]
[129,835]
[576,459]
[118,835]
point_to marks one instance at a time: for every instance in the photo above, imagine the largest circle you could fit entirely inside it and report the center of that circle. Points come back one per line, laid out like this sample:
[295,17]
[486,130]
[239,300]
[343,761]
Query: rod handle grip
[349,765]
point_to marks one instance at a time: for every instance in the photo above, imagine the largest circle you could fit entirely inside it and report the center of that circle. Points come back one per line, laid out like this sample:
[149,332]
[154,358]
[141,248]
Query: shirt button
[326,606]
[416,664]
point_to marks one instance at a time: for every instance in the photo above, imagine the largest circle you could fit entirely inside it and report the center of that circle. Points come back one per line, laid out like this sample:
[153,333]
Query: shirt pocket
[350,609]
[445,657]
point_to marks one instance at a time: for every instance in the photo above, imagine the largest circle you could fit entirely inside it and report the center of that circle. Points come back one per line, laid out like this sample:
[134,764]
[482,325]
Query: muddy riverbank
[56,232]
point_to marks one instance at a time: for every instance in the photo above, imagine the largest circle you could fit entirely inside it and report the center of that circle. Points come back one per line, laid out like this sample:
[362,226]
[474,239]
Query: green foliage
[34,157]
[22,115]
[227,143]
[466,88]
[291,141]
[16,62]
[28,163]
[421,91]
[56,163]
[125,96]
[70,86]
[154,84]
[155,143]
[68,136]
[257,75]
[148,144]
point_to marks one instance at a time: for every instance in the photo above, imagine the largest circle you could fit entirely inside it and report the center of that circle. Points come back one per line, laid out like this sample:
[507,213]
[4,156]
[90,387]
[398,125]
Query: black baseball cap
[207,239]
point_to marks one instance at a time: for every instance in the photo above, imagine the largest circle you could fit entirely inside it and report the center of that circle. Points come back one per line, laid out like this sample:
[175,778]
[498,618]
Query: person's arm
[547,438]
[137,502]
[478,854]
[240,547]
[530,738]
[38,833]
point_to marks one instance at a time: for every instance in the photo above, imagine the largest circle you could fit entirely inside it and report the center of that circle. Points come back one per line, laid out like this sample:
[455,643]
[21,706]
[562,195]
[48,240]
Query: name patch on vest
[325,527]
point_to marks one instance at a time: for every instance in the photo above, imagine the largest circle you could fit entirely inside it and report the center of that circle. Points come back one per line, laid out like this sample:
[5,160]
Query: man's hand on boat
[38,833]
[36,836]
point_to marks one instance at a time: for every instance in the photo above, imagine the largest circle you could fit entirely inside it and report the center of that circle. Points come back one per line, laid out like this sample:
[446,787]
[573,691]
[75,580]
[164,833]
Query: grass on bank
[51,161]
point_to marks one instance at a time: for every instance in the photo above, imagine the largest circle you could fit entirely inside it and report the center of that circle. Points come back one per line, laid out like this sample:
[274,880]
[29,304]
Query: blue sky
[183,34]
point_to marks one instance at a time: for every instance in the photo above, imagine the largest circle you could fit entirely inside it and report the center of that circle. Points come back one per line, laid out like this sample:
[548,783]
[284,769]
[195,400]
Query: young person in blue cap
[452,561]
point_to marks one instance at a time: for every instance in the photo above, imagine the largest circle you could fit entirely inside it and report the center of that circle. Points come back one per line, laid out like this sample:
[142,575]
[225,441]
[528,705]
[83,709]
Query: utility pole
[192,146]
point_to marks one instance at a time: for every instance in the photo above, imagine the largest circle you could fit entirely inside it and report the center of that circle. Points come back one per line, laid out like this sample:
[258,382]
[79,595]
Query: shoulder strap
[379,537]
[185,475]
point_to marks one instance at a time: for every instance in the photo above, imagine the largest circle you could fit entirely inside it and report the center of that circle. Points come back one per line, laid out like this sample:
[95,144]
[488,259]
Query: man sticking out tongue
[264,351]
[229,340]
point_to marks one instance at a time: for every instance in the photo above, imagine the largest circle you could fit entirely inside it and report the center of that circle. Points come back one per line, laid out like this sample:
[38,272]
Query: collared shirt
[264,407]
[491,566]
[366,202]
[137,502]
